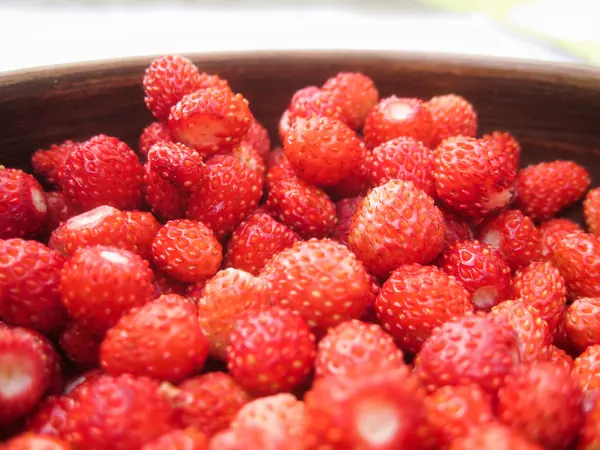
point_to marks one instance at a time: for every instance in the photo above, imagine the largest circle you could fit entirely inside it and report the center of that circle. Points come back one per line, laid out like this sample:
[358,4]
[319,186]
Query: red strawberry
[591,211]
[100,284]
[356,184]
[452,116]
[154,133]
[577,256]
[378,410]
[552,232]
[176,163]
[23,206]
[188,439]
[48,163]
[473,348]
[586,368]
[561,338]
[257,137]
[112,413]
[321,280]
[251,158]
[209,402]
[345,210]
[228,295]
[582,322]
[270,351]
[546,188]
[251,438]
[103,171]
[396,224]
[24,377]
[506,143]
[402,158]
[105,225]
[481,270]
[278,168]
[81,345]
[210,120]
[166,81]
[79,382]
[559,356]
[589,435]
[494,436]
[393,117]
[29,279]
[543,401]
[50,417]
[256,241]
[353,347]
[284,124]
[229,193]
[322,151]
[52,360]
[454,411]
[457,229]
[532,331]
[541,285]
[161,339]
[312,101]
[357,95]
[30,441]
[515,236]
[59,210]
[166,200]
[187,250]
[304,208]
[416,299]
[472,176]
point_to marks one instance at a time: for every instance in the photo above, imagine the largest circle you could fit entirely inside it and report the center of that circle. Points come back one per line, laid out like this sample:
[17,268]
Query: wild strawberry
[167,201]
[468,349]
[164,284]
[453,411]
[284,124]
[251,158]
[494,436]
[58,212]
[402,158]
[278,168]
[543,401]
[396,224]
[257,137]
[506,143]
[560,337]
[546,188]
[314,102]
[515,236]
[112,413]
[415,299]
[582,322]
[354,347]
[176,163]
[161,339]
[552,232]
[319,279]
[345,210]
[48,163]
[187,250]
[559,356]
[226,296]
[209,402]
[103,171]
[452,116]
[532,331]
[481,270]
[376,410]
[251,438]
[591,211]
[154,133]
[77,383]
[188,439]
[30,441]
[210,120]
[586,368]
[457,229]
[24,377]
[29,279]
[270,351]
[393,117]
[322,151]
[577,256]
[256,241]
[23,206]
[304,208]
[354,185]
[472,177]
[81,345]
[166,81]
[50,417]
[100,284]
[357,94]
[589,435]
[229,193]
[542,286]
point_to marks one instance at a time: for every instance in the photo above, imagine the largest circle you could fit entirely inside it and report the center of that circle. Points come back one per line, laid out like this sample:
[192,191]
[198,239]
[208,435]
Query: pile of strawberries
[384,280]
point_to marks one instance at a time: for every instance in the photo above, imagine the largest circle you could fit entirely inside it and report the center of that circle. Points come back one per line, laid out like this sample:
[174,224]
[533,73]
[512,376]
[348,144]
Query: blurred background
[43,32]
